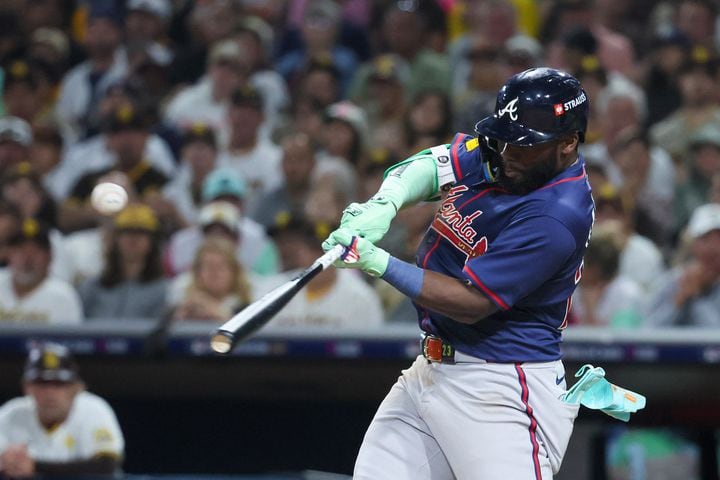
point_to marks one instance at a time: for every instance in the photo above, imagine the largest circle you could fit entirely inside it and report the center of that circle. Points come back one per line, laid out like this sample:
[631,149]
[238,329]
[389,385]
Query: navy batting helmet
[537,106]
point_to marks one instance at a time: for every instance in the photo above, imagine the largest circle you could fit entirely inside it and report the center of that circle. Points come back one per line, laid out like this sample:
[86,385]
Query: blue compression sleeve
[407,278]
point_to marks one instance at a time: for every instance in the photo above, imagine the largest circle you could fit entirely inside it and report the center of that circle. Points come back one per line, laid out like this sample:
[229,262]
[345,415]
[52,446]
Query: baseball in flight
[108,198]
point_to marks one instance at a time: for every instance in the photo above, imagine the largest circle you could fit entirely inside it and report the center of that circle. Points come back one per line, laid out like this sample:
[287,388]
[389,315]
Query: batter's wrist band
[407,278]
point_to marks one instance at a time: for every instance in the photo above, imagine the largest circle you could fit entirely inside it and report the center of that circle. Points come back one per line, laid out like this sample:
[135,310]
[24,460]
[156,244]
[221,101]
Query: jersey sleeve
[102,432]
[4,427]
[525,255]
[464,153]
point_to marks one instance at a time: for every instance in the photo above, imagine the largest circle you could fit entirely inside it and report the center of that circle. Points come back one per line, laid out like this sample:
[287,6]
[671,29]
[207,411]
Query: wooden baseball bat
[258,313]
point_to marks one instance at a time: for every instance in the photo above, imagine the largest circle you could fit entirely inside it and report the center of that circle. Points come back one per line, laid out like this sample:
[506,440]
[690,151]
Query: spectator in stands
[698,85]
[386,103]
[692,189]
[594,79]
[326,201]
[124,107]
[216,288]
[485,72]
[198,157]
[696,19]
[45,155]
[689,295]
[28,294]
[640,259]
[23,188]
[660,69]
[428,121]
[127,140]
[344,137]
[27,92]
[319,32]
[330,299]
[222,216]
[131,285]
[87,82]
[604,296]
[522,52]
[208,100]
[646,184]
[10,222]
[256,38]
[619,105]
[58,429]
[50,46]
[288,200]
[146,25]
[15,141]
[403,29]
[207,23]
[21,185]
[341,147]
[255,157]
[318,84]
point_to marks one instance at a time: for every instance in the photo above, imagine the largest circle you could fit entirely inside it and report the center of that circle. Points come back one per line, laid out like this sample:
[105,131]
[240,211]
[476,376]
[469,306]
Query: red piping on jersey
[533,422]
[568,306]
[486,290]
[454,155]
[487,190]
[432,249]
[570,179]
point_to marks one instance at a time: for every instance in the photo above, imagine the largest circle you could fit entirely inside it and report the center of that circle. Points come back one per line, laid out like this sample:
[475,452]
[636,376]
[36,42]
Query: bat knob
[221,342]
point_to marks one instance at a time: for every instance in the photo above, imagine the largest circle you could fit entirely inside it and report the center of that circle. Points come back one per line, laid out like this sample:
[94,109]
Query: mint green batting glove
[361,254]
[371,220]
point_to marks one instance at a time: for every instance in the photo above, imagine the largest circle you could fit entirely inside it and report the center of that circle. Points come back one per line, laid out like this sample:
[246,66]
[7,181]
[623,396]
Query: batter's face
[524,169]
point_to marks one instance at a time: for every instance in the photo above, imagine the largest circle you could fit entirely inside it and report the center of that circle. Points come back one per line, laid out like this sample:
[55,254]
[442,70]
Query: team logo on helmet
[510,109]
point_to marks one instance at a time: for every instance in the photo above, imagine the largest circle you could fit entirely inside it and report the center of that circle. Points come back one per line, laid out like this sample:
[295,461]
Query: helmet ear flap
[490,161]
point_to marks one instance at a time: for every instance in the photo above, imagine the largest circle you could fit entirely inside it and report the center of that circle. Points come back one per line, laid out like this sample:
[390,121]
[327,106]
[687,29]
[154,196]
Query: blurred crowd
[242,128]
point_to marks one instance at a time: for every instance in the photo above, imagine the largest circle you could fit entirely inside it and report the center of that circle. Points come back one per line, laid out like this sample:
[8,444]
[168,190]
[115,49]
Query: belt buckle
[435,350]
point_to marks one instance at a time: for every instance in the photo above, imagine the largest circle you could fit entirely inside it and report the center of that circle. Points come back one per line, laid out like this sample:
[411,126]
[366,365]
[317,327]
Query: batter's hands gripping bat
[262,310]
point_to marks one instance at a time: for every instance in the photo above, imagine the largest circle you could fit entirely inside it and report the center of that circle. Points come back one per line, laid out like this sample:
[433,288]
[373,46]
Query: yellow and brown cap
[137,217]
[50,362]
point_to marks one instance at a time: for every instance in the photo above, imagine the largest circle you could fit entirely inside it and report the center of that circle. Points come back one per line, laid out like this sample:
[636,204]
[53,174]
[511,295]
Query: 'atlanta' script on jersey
[457,228]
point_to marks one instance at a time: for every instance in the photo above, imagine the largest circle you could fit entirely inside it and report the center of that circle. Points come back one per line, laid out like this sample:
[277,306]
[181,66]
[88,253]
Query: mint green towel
[593,391]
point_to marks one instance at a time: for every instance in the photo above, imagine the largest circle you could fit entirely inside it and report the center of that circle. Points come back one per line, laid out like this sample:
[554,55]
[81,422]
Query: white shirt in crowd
[350,302]
[83,252]
[195,104]
[252,251]
[92,155]
[75,95]
[90,429]
[260,168]
[41,305]
[621,296]
[177,191]
[641,261]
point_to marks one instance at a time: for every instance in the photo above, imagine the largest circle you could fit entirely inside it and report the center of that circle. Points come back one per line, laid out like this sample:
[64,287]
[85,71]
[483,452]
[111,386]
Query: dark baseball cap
[247,96]
[50,362]
[32,230]
[201,133]
[124,117]
[390,68]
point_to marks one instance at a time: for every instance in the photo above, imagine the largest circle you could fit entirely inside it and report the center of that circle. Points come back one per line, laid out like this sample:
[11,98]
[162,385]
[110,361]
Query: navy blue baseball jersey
[524,252]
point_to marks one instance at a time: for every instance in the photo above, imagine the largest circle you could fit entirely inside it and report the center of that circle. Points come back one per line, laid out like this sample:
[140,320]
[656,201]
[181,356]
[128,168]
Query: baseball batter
[492,286]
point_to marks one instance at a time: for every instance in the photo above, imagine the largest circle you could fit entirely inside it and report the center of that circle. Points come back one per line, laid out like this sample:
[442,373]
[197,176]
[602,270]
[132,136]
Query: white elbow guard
[445,173]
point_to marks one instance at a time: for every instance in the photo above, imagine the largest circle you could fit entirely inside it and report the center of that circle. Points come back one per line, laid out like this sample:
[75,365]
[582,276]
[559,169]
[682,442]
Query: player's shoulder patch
[471,144]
